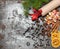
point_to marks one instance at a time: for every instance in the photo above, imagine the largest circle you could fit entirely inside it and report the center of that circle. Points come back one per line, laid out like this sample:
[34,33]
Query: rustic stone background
[12,26]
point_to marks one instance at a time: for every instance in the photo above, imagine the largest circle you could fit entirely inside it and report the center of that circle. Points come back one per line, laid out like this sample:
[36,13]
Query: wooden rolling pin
[45,9]
[50,6]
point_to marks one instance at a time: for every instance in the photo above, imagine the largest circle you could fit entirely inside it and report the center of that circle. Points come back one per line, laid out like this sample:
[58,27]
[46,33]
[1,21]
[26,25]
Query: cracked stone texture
[12,26]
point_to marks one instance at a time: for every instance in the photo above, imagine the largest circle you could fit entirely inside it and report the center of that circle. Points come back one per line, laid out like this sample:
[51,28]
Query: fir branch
[27,4]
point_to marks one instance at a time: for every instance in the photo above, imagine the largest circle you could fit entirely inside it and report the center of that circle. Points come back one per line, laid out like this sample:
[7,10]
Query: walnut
[2,26]
[1,36]
[19,1]
[3,1]
[1,46]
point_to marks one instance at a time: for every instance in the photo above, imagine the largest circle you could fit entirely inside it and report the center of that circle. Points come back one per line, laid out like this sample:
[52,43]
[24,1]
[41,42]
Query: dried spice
[49,34]
[52,17]
[28,43]
[55,35]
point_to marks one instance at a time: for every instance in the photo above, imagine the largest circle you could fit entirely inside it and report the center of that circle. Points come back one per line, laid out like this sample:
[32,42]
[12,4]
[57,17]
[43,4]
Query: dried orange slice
[55,42]
[54,35]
